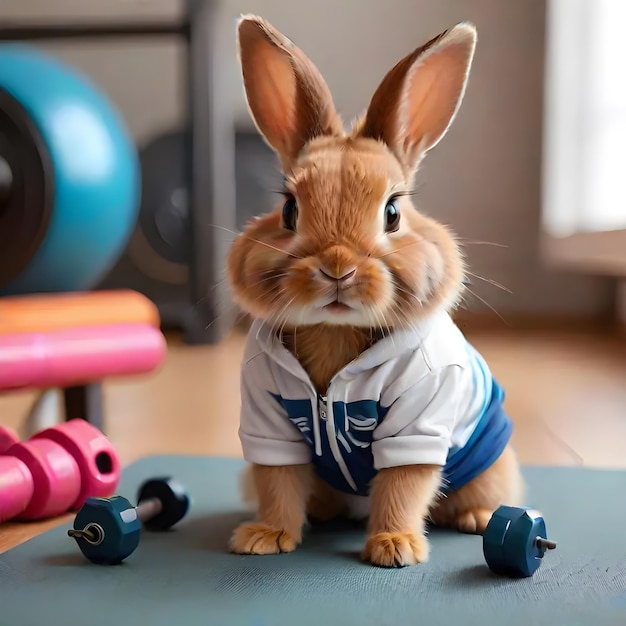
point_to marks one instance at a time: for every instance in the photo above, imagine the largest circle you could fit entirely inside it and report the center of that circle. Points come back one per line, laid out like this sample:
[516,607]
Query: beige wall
[483,179]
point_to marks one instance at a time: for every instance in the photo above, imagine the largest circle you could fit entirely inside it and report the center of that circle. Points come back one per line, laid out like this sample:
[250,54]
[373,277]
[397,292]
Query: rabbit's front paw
[256,538]
[396,549]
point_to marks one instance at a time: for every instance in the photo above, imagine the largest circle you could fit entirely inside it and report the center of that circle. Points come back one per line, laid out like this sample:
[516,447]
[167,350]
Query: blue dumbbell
[515,541]
[107,529]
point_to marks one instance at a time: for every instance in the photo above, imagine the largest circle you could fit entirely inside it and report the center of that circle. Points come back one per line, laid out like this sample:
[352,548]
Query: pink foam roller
[76,356]
[8,437]
[56,477]
[16,487]
[95,455]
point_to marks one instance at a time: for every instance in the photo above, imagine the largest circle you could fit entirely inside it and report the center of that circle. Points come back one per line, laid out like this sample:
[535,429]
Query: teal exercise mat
[187,577]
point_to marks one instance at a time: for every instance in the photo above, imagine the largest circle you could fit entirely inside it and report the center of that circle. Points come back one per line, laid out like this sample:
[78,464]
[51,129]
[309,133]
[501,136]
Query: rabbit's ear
[419,97]
[288,99]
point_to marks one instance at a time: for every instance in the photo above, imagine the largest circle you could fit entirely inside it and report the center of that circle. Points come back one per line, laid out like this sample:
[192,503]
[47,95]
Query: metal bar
[84,401]
[148,509]
[89,30]
[212,175]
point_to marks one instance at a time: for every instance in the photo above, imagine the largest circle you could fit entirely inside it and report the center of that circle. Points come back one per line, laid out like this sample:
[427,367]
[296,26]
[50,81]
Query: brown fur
[340,182]
[324,350]
[469,508]
[282,493]
[401,499]
[325,503]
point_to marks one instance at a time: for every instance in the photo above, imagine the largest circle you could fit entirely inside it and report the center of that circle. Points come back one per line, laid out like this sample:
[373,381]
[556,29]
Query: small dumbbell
[55,470]
[39,480]
[8,437]
[107,530]
[17,481]
[97,459]
[515,541]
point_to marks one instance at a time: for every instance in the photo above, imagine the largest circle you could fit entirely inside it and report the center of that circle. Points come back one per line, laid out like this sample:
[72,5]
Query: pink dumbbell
[96,457]
[54,477]
[8,437]
[17,481]
[55,471]
[17,487]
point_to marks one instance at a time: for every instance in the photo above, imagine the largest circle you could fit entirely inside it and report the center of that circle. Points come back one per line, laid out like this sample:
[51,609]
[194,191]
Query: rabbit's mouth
[338,307]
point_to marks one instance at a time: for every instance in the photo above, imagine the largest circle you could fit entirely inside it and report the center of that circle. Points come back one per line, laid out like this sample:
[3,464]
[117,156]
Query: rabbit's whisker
[225,229]
[240,316]
[466,242]
[408,245]
[262,243]
[490,281]
[268,245]
[272,277]
[282,328]
[379,316]
[486,304]
[408,293]
[279,316]
[405,322]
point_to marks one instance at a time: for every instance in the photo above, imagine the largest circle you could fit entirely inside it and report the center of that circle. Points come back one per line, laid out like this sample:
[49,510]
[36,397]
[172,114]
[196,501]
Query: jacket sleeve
[418,426]
[267,436]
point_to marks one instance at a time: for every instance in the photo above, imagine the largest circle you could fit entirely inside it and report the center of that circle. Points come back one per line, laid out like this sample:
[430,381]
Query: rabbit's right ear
[288,99]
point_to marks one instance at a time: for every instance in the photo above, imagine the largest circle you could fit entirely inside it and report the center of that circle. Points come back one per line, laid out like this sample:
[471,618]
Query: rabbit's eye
[392,216]
[290,214]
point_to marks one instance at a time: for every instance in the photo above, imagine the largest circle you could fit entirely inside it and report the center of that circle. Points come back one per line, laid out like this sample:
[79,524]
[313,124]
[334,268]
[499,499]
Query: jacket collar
[393,345]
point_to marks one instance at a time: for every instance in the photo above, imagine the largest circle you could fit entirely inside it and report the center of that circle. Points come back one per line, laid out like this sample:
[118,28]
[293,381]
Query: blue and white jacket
[419,396]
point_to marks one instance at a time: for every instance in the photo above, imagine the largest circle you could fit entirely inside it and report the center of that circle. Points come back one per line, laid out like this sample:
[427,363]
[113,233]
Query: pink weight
[8,437]
[94,454]
[56,477]
[16,487]
[74,356]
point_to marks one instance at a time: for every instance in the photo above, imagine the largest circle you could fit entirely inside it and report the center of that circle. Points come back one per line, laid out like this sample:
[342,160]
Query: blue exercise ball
[69,177]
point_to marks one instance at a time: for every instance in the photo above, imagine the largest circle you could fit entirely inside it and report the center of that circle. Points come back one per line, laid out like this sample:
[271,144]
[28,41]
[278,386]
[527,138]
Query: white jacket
[419,396]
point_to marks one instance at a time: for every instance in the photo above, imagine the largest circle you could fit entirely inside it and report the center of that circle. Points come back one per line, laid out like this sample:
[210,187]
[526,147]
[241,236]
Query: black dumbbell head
[174,499]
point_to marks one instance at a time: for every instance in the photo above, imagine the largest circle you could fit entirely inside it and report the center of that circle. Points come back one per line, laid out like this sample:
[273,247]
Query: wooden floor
[566,392]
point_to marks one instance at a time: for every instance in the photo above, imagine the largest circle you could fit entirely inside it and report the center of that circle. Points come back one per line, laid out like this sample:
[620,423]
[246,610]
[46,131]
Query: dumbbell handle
[148,509]
[545,544]
[94,533]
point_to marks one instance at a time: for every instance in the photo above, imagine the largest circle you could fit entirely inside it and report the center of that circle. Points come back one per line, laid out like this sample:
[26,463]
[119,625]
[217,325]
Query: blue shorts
[486,444]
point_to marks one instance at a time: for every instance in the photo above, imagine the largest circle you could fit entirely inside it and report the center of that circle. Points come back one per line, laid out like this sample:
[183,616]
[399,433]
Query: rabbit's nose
[344,276]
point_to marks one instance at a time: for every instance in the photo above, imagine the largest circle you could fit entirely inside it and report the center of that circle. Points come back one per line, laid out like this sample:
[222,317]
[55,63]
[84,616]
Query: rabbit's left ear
[418,99]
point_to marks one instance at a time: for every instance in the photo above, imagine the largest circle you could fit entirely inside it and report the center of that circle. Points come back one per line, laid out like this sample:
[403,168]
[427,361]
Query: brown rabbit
[360,396]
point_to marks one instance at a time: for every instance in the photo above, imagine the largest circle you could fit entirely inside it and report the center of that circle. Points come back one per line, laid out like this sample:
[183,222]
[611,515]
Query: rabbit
[360,397]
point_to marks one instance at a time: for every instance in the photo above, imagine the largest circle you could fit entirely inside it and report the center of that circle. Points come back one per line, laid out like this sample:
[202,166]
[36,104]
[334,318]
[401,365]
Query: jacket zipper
[322,406]
[322,409]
